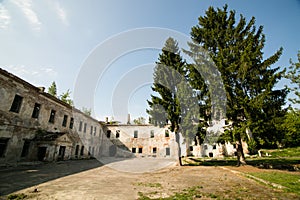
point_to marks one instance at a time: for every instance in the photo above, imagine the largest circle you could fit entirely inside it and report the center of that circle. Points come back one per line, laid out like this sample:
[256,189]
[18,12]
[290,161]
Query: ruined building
[35,125]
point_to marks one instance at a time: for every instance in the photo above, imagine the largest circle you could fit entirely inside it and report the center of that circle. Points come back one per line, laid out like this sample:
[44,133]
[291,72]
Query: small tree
[65,97]
[293,74]
[87,111]
[52,89]
[139,121]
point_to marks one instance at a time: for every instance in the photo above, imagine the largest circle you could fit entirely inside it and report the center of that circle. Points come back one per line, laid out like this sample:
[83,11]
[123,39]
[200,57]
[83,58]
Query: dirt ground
[94,181]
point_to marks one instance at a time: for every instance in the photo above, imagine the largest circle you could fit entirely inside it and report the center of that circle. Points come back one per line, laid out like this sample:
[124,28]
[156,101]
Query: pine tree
[168,73]
[65,97]
[293,74]
[52,89]
[236,49]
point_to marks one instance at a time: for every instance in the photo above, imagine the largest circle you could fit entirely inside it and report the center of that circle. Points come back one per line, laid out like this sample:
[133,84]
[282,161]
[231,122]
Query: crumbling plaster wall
[144,140]
[17,127]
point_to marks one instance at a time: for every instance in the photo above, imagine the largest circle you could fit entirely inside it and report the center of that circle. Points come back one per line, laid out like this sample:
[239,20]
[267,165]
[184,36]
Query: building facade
[37,126]
[144,140]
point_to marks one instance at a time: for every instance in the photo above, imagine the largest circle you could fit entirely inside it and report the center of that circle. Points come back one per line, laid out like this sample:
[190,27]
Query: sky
[105,51]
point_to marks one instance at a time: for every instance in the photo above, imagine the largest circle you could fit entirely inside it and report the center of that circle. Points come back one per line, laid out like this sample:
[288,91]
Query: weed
[17,196]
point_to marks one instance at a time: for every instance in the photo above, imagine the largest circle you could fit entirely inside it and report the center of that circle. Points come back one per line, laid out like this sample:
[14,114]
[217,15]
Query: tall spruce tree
[236,49]
[168,73]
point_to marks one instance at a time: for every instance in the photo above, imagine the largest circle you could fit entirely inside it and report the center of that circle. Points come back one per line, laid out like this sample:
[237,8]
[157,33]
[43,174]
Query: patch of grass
[287,152]
[287,163]
[155,185]
[186,194]
[291,182]
[17,196]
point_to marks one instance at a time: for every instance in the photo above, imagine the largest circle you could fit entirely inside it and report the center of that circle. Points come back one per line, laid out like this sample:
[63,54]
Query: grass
[290,182]
[154,185]
[17,196]
[186,194]
[290,162]
[287,152]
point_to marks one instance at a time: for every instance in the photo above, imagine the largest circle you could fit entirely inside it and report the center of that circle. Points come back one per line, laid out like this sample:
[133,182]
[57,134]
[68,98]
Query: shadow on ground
[16,178]
[291,164]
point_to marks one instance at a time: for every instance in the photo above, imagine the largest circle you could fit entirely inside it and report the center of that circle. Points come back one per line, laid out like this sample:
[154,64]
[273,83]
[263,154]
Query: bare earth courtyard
[132,179]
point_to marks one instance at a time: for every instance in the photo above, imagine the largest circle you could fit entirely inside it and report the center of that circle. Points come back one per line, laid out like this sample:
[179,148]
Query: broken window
[234,146]
[89,151]
[36,110]
[141,150]
[205,147]
[214,146]
[117,133]
[65,120]
[16,105]
[135,134]
[108,132]
[191,148]
[3,146]
[133,150]
[152,134]
[167,151]
[92,128]
[154,149]
[84,127]
[76,150]
[82,150]
[95,130]
[80,126]
[71,123]
[167,133]
[25,149]
[52,116]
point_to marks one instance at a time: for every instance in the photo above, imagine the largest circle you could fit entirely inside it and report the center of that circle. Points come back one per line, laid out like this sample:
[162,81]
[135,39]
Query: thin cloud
[26,7]
[61,13]
[22,71]
[4,17]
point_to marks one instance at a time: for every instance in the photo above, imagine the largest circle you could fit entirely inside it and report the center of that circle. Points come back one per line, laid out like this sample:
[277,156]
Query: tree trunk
[240,153]
[179,148]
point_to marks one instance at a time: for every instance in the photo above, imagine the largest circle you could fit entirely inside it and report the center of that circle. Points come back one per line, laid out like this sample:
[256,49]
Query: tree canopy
[235,45]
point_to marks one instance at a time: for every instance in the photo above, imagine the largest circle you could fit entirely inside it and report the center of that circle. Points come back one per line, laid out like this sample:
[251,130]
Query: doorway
[42,153]
[61,152]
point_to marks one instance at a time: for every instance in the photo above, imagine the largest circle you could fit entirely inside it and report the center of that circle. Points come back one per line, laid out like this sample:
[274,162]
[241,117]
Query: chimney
[42,89]
[128,119]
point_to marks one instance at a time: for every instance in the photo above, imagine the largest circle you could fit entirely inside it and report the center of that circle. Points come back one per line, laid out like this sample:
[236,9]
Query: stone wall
[19,124]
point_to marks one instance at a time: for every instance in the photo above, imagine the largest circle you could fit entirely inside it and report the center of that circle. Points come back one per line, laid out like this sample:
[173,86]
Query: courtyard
[138,178]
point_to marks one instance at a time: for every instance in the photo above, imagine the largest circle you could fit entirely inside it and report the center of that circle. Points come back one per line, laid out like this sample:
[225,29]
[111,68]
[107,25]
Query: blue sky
[45,41]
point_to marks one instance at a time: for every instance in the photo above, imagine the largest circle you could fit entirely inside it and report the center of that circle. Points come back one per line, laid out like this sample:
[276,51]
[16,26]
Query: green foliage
[286,152]
[236,49]
[87,111]
[293,74]
[17,196]
[166,79]
[252,146]
[187,194]
[290,182]
[52,89]
[155,185]
[291,129]
[65,97]
[139,121]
